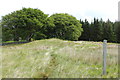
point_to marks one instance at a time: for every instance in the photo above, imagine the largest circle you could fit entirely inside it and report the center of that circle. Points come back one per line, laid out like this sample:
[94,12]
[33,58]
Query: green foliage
[24,23]
[47,30]
[86,30]
[108,31]
[99,30]
[92,31]
[117,31]
[29,23]
[0,33]
[39,35]
[65,27]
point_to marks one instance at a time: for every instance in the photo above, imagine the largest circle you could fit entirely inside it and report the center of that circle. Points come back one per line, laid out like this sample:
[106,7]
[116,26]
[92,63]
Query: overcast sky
[81,9]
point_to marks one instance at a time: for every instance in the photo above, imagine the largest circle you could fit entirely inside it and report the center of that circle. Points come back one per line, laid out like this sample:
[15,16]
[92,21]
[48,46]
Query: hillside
[56,58]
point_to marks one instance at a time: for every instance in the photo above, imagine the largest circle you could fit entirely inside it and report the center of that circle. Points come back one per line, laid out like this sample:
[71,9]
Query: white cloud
[79,8]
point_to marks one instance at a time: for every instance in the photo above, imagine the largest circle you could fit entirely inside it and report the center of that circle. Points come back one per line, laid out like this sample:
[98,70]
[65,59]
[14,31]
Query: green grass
[56,58]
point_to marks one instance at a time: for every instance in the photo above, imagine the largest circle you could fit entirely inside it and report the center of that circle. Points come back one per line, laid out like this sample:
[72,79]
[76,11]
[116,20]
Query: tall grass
[56,58]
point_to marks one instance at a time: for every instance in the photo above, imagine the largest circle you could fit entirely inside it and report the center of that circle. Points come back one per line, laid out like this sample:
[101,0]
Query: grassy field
[54,58]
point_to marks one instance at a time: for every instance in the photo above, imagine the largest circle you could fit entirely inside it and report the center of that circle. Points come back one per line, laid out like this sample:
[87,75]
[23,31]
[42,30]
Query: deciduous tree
[65,27]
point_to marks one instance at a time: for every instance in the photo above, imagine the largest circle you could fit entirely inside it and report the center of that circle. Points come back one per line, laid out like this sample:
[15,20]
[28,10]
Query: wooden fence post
[104,56]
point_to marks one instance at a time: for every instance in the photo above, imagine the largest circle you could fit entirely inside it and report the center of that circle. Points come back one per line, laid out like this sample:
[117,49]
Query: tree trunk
[29,37]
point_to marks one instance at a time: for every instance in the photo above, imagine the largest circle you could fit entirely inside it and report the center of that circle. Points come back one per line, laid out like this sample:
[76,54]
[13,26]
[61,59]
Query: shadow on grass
[11,43]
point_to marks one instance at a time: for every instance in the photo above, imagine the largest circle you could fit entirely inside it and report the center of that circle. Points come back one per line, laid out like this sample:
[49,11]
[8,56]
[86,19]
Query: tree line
[28,23]
[98,30]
